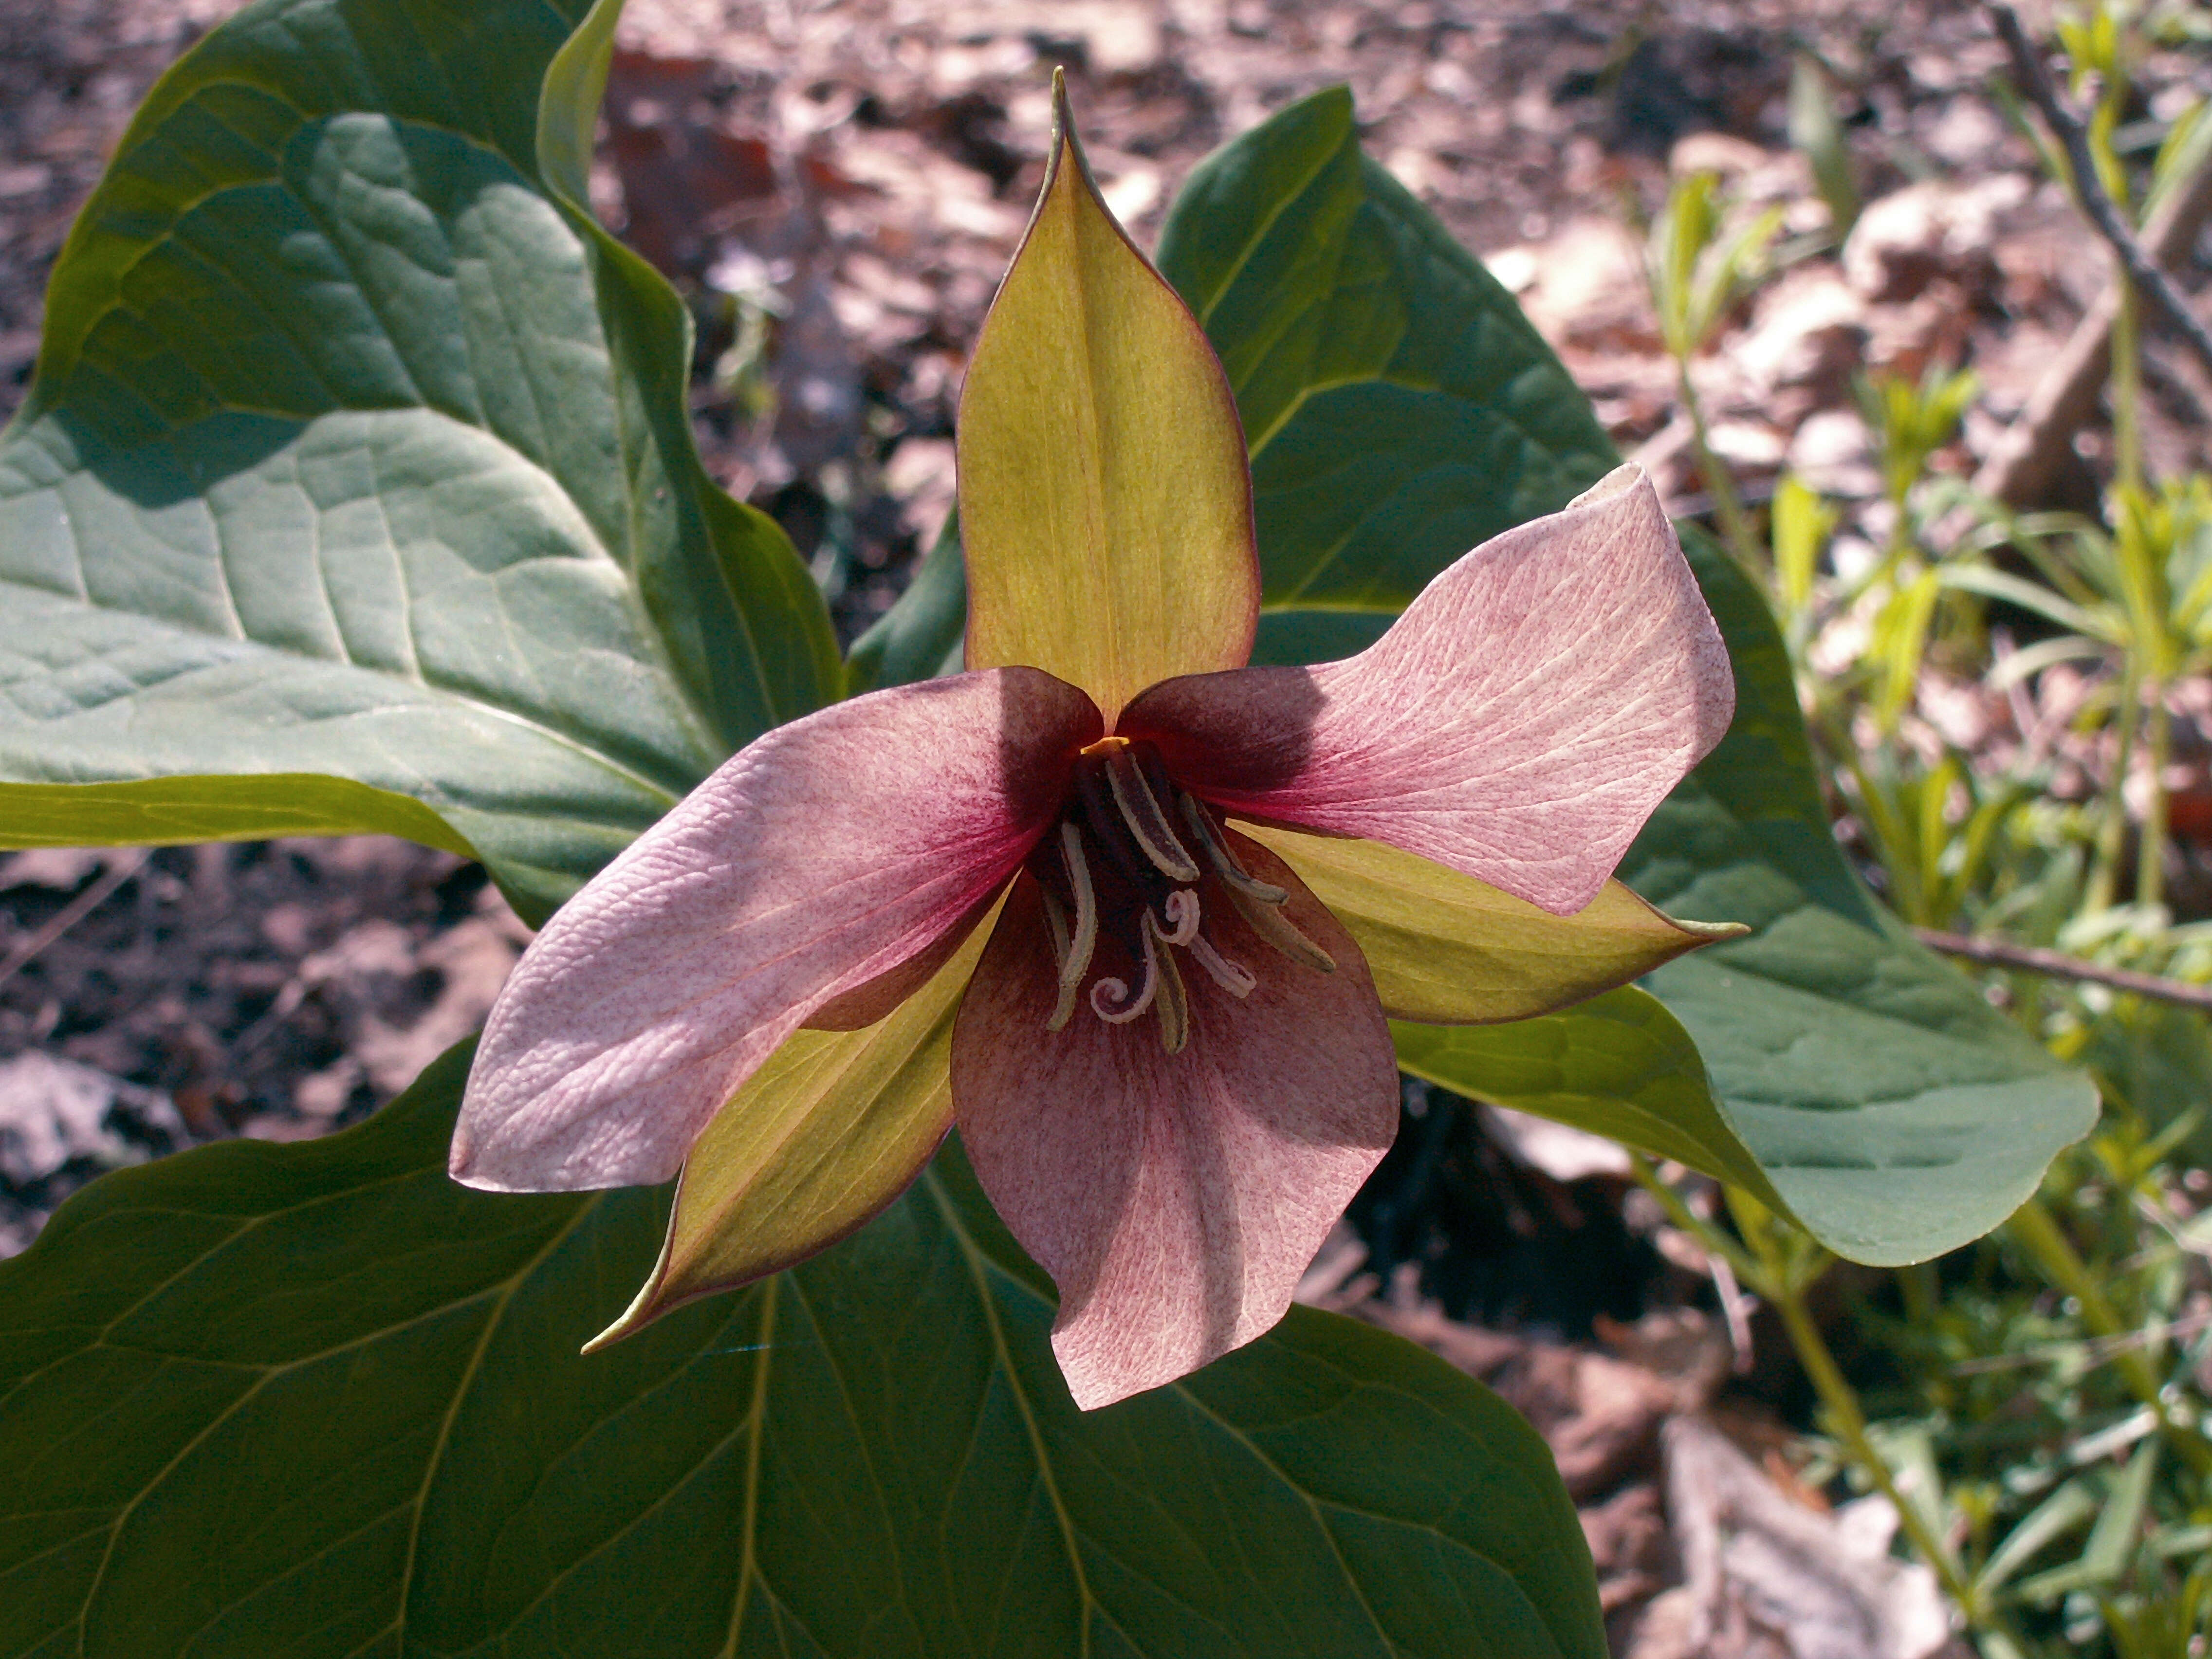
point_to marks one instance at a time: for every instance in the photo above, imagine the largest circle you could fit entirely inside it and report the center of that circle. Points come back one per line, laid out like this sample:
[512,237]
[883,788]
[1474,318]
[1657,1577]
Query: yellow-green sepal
[1105,496]
[1448,949]
[1618,1066]
[831,1129]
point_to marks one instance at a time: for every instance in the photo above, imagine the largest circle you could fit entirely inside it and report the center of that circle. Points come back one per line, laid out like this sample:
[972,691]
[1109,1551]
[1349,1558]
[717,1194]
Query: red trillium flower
[1145,909]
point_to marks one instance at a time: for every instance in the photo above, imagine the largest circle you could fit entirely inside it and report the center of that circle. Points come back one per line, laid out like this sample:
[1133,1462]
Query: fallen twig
[2151,281]
[75,911]
[2057,965]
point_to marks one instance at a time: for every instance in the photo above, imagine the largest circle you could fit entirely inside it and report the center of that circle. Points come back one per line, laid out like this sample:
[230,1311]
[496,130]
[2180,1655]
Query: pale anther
[1172,1004]
[1148,823]
[1055,922]
[1233,875]
[1269,922]
[1083,938]
[1231,976]
[1109,998]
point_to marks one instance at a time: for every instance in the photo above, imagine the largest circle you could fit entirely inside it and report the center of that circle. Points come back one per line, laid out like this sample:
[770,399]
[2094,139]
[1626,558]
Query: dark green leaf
[353,450]
[1400,410]
[318,1400]
[1399,406]
[1288,638]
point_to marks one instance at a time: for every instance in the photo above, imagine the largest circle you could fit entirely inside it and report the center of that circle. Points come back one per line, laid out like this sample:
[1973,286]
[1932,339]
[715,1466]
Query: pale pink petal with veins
[1175,1198]
[815,861]
[1518,723]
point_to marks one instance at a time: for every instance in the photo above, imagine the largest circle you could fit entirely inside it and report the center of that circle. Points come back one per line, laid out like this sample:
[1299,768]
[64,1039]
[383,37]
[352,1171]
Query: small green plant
[1698,269]
[1934,830]
[1816,129]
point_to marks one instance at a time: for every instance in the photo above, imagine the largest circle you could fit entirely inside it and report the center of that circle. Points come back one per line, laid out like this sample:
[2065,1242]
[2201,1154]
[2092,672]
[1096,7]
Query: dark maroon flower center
[1130,866]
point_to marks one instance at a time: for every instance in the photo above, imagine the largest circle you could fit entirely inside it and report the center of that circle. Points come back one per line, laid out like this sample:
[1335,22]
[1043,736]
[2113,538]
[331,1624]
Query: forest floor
[836,187]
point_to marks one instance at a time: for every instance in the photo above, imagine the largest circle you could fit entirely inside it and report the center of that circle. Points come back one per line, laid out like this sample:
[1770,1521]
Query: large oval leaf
[1896,1112]
[317,1399]
[1400,409]
[353,449]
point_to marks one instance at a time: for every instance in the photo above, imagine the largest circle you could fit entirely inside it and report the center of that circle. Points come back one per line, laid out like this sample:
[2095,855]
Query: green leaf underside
[341,1412]
[1448,949]
[165,811]
[1402,409]
[1619,1065]
[835,1126]
[352,452]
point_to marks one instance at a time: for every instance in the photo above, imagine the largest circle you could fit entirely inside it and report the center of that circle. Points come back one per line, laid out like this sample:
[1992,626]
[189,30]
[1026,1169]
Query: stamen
[1182,917]
[1109,998]
[1231,976]
[1102,814]
[1269,922]
[1075,958]
[1233,875]
[1173,1002]
[1055,918]
[1140,811]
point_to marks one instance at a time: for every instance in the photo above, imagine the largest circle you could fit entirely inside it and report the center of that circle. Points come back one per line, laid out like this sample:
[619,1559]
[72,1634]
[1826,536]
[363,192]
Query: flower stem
[1841,1404]
[2112,832]
[1770,1273]
[1720,483]
[2150,855]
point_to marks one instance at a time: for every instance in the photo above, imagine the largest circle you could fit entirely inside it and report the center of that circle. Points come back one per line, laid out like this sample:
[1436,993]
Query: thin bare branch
[120,870]
[2056,965]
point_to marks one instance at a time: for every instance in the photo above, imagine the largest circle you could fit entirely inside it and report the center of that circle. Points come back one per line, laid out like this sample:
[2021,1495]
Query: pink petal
[1173,1199]
[1517,724]
[818,859]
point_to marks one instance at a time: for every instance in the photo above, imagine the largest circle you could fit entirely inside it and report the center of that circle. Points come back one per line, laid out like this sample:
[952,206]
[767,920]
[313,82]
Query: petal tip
[1621,481]
[1097,1379]
[644,1308]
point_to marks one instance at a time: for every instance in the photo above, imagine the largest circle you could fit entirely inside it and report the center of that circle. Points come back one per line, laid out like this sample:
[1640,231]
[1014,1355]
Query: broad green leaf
[1398,407]
[1104,506]
[831,1129]
[354,450]
[1400,411]
[318,1400]
[1448,949]
[1291,638]
[1619,1065]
